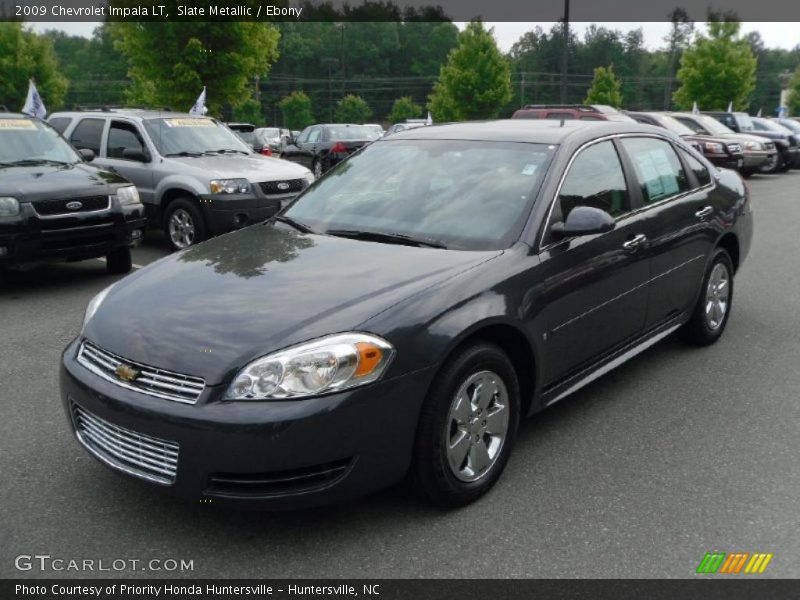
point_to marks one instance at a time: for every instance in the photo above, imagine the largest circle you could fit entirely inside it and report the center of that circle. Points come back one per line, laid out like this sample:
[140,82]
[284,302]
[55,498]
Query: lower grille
[288,186]
[278,483]
[734,148]
[71,206]
[134,453]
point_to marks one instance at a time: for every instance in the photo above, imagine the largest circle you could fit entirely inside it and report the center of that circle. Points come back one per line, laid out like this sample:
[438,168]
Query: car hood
[701,137]
[255,167]
[212,308]
[746,137]
[51,181]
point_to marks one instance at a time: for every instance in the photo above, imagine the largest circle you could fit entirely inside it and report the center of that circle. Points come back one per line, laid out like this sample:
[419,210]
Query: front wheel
[714,304]
[183,224]
[467,426]
[773,165]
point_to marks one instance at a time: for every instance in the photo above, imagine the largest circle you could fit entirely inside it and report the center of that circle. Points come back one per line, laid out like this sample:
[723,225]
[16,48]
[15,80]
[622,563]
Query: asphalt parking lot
[678,453]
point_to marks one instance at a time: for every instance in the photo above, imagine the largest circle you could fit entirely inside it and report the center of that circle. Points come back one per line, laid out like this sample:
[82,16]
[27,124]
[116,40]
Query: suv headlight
[94,304]
[128,195]
[229,186]
[753,146]
[715,148]
[9,207]
[329,364]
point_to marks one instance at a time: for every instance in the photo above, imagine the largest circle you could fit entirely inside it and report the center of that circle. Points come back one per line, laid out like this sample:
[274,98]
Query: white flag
[695,110]
[199,107]
[33,103]
[783,112]
[759,113]
[730,107]
[430,119]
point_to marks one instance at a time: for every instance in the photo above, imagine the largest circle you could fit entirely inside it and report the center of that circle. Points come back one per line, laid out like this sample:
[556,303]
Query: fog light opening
[240,220]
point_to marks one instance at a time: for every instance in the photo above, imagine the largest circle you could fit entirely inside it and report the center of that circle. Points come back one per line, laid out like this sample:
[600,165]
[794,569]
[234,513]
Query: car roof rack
[585,107]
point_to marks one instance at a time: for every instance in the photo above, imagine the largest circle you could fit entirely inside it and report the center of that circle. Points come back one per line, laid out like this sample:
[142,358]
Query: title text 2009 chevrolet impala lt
[405,312]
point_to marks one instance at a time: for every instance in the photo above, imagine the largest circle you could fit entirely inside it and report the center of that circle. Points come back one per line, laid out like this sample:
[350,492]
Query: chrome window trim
[641,209]
[72,214]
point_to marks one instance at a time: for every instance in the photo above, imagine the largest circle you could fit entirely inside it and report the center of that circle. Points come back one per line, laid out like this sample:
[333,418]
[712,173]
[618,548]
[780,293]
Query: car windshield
[744,121]
[269,133]
[789,124]
[30,140]
[466,195]
[351,132]
[712,125]
[773,126]
[192,135]
[672,124]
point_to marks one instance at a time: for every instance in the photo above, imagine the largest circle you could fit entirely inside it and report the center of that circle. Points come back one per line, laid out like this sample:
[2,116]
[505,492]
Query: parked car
[740,122]
[247,133]
[791,124]
[786,141]
[757,151]
[397,127]
[271,138]
[56,206]
[561,112]
[406,312]
[321,147]
[195,177]
[378,129]
[720,151]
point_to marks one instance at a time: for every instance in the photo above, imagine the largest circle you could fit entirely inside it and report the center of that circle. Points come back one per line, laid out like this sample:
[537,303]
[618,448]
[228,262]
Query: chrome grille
[735,148]
[60,208]
[134,453]
[150,380]
[288,186]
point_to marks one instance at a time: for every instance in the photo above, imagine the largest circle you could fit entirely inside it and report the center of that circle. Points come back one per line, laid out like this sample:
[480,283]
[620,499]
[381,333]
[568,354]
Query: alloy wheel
[717,296]
[181,228]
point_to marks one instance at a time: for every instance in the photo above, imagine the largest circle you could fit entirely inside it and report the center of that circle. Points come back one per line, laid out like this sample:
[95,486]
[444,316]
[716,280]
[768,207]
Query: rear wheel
[183,224]
[713,307]
[774,164]
[467,426]
[119,261]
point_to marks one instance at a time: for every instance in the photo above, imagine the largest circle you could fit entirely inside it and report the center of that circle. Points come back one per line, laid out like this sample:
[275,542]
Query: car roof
[136,113]
[12,115]
[541,131]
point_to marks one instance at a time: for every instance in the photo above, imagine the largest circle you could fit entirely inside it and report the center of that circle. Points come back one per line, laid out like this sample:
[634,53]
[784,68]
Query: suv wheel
[714,304]
[183,224]
[119,261]
[467,426]
[774,164]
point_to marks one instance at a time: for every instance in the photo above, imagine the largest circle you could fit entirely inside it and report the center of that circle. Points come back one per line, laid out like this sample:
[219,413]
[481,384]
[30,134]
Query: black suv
[53,205]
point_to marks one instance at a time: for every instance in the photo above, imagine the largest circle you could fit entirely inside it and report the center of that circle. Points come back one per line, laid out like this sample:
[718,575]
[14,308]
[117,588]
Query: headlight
[9,207]
[128,195]
[714,148]
[753,146]
[94,304]
[333,363]
[229,186]
[309,177]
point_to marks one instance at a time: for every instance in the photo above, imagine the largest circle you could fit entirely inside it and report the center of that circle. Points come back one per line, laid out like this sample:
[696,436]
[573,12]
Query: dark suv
[581,112]
[53,205]
[741,122]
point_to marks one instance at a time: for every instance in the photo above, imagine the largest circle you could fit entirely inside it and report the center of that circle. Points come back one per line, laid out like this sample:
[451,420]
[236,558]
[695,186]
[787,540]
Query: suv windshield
[462,194]
[744,121]
[30,141]
[192,135]
[712,125]
[672,124]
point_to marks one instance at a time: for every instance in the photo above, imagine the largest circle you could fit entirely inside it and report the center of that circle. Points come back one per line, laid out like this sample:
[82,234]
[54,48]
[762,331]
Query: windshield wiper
[38,161]
[301,227]
[226,151]
[185,153]
[388,238]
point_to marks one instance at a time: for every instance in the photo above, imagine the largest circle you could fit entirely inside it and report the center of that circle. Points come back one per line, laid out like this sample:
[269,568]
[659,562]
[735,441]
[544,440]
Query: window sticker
[197,122]
[529,170]
[16,125]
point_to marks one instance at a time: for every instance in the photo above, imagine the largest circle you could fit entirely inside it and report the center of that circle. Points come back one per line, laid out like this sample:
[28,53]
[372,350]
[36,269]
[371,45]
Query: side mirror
[137,155]
[584,220]
[86,154]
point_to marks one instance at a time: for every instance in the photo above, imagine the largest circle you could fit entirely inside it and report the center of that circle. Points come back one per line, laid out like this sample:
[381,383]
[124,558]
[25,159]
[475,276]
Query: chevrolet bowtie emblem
[126,372]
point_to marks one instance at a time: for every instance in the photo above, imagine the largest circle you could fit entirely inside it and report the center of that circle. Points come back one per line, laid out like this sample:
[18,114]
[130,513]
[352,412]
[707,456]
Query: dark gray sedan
[406,311]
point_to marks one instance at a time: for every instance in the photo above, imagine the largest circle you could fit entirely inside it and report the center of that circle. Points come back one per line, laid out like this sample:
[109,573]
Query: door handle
[704,212]
[633,244]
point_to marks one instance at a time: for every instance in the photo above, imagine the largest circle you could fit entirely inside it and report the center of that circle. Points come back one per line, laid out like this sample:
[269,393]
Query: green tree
[171,62]
[404,108]
[717,69]
[605,88]
[24,56]
[794,94]
[476,81]
[296,110]
[249,112]
[352,109]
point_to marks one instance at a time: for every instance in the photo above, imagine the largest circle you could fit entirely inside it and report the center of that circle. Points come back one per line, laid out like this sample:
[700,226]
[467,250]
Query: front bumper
[726,161]
[278,455]
[754,159]
[227,212]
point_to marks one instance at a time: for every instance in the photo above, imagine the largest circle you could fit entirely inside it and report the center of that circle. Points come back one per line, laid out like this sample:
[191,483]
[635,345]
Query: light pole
[330,62]
[564,53]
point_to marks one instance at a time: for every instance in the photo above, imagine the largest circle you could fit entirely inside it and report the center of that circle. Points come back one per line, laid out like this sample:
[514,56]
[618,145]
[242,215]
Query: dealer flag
[33,103]
[430,119]
[199,107]
[759,113]
[730,107]
[695,110]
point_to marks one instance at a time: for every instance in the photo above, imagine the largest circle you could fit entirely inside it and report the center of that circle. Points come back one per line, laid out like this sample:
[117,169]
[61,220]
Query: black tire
[698,330]
[119,261]
[746,173]
[774,165]
[188,207]
[431,472]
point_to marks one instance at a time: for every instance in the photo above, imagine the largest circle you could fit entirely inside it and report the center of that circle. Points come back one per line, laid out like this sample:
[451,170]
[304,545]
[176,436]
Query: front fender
[180,182]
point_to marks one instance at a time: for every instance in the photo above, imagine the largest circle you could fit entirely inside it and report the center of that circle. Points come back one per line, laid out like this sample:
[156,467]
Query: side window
[699,169]
[595,179]
[690,124]
[60,124]
[657,168]
[87,135]
[314,135]
[560,116]
[303,137]
[123,136]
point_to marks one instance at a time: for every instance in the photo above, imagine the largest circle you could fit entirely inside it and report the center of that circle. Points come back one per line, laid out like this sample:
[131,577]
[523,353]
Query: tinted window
[303,137]
[314,135]
[695,127]
[123,136]
[657,168]
[595,179]
[699,169]
[60,123]
[88,134]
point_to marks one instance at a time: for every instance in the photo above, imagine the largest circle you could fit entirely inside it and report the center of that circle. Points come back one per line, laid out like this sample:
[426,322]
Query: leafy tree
[352,109]
[296,109]
[404,108]
[24,56]
[171,62]
[794,93]
[476,81]
[605,88]
[717,69]
[249,112]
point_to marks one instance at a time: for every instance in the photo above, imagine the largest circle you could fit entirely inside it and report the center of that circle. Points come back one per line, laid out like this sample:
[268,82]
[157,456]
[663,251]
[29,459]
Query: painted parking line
[134,265]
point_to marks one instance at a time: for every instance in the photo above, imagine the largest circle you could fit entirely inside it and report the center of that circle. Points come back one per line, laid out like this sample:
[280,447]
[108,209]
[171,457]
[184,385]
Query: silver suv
[195,177]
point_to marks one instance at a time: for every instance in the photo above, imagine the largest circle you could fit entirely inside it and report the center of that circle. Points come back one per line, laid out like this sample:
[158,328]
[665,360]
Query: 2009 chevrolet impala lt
[406,311]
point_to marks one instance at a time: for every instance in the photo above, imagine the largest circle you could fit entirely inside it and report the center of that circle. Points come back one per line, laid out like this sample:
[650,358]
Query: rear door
[676,190]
